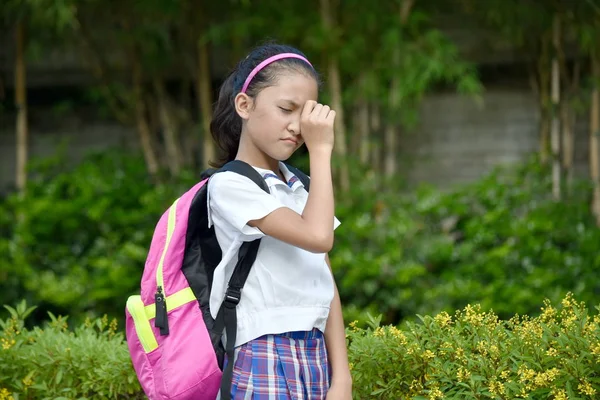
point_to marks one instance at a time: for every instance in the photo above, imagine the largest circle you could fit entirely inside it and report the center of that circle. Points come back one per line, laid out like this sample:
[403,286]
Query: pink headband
[268,61]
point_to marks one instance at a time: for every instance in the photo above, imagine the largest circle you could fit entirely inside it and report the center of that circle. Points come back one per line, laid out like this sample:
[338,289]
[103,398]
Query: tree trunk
[204,89]
[168,128]
[555,127]
[21,106]
[335,91]
[391,131]
[141,121]
[568,116]
[568,142]
[375,125]
[595,138]
[544,99]
[363,131]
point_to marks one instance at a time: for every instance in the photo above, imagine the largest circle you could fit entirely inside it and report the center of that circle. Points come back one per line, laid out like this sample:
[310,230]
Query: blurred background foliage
[74,236]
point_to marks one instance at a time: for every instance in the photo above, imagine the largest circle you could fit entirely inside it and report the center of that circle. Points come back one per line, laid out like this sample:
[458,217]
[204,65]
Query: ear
[243,105]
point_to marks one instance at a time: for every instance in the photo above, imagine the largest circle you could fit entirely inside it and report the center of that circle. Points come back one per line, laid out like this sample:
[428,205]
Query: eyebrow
[291,102]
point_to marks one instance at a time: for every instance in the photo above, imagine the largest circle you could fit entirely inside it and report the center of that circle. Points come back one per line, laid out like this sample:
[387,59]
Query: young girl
[290,334]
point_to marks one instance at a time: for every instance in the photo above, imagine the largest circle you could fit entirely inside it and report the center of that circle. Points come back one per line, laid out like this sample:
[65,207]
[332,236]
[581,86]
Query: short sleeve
[336,223]
[236,200]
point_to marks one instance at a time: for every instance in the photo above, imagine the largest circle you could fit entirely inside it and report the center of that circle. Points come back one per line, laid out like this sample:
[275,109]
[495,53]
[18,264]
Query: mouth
[295,142]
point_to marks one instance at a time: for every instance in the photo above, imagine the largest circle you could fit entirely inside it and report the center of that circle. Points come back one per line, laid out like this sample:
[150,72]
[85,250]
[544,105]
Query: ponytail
[226,124]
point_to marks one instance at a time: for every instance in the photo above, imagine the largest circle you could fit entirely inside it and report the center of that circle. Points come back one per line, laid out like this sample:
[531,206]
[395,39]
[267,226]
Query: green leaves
[473,355]
[82,237]
[501,242]
[52,362]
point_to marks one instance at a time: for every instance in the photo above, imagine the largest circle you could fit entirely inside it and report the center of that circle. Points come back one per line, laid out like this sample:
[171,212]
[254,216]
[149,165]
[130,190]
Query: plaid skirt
[288,366]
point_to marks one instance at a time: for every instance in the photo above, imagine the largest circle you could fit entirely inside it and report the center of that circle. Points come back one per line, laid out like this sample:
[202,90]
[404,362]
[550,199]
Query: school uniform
[281,317]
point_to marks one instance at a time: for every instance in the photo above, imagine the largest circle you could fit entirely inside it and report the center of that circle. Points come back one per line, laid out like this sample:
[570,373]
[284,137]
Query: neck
[252,155]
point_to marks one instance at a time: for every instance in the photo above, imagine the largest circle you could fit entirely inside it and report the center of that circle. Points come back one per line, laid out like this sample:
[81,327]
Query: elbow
[323,243]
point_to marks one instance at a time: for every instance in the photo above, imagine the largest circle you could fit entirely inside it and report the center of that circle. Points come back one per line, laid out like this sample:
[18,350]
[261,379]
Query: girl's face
[271,130]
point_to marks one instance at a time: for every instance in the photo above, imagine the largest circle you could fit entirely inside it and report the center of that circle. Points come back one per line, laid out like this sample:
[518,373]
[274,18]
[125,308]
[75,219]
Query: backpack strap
[245,169]
[227,316]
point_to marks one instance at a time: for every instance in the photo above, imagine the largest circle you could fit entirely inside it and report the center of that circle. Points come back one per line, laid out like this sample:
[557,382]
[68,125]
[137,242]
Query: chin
[283,156]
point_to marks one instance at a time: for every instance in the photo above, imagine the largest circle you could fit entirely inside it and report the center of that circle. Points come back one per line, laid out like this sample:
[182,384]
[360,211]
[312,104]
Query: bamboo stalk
[22,134]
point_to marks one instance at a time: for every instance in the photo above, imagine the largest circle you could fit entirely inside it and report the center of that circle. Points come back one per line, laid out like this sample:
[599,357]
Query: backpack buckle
[233,295]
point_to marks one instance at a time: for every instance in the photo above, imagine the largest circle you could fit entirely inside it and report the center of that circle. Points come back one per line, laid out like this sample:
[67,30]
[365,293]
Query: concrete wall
[47,132]
[457,140]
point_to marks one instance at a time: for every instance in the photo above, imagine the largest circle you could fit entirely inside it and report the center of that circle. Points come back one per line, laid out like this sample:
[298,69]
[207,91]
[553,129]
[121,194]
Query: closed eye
[285,110]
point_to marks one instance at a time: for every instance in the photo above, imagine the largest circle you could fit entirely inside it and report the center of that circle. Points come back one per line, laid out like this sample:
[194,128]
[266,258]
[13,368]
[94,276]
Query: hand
[339,392]
[316,126]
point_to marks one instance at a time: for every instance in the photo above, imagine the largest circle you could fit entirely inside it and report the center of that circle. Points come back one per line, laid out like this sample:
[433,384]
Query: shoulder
[228,179]
[230,190]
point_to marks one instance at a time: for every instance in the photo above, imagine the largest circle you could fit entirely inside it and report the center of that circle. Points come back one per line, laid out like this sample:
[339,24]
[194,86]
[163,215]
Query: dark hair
[226,124]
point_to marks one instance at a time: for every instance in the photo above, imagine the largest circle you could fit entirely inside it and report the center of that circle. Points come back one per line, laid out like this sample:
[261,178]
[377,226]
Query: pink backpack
[174,343]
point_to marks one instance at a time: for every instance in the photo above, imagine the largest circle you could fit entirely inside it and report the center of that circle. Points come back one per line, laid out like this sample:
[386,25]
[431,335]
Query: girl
[290,330]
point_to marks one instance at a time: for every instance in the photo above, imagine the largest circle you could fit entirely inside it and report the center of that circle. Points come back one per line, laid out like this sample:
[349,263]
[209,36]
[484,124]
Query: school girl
[290,340]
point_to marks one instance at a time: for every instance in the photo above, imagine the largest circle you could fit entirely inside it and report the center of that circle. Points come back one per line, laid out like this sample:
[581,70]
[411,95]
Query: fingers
[309,106]
[315,111]
[324,112]
[331,117]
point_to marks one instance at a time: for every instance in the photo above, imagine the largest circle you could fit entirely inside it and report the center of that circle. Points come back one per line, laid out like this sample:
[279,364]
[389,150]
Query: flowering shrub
[475,355]
[469,355]
[53,362]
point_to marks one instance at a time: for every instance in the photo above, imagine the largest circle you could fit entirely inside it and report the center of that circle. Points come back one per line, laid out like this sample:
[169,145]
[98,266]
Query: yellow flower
[443,319]
[548,312]
[428,355]
[525,374]
[5,394]
[27,381]
[398,334]
[496,388]
[482,347]
[112,328]
[560,394]
[585,388]
[569,319]
[435,394]
[8,343]
[543,379]
[595,348]
[568,301]
[444,348]
[462,374]
[552,352]
[413,349]
[473,315]
[415,385]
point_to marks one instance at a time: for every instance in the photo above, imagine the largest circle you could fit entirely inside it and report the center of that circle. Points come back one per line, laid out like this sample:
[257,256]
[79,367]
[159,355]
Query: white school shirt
[288,288]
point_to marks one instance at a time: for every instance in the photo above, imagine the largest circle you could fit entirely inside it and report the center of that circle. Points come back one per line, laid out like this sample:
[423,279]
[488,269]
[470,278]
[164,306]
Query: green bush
[470,355]
[475,355]
[77,240]
[90,362]
[502,242]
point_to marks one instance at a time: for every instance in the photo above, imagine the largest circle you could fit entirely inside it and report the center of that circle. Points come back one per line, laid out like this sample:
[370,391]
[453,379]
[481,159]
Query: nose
[294,127]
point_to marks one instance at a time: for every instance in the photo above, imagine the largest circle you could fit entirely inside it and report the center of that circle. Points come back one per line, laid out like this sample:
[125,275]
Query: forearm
[319,209]
[335,340]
